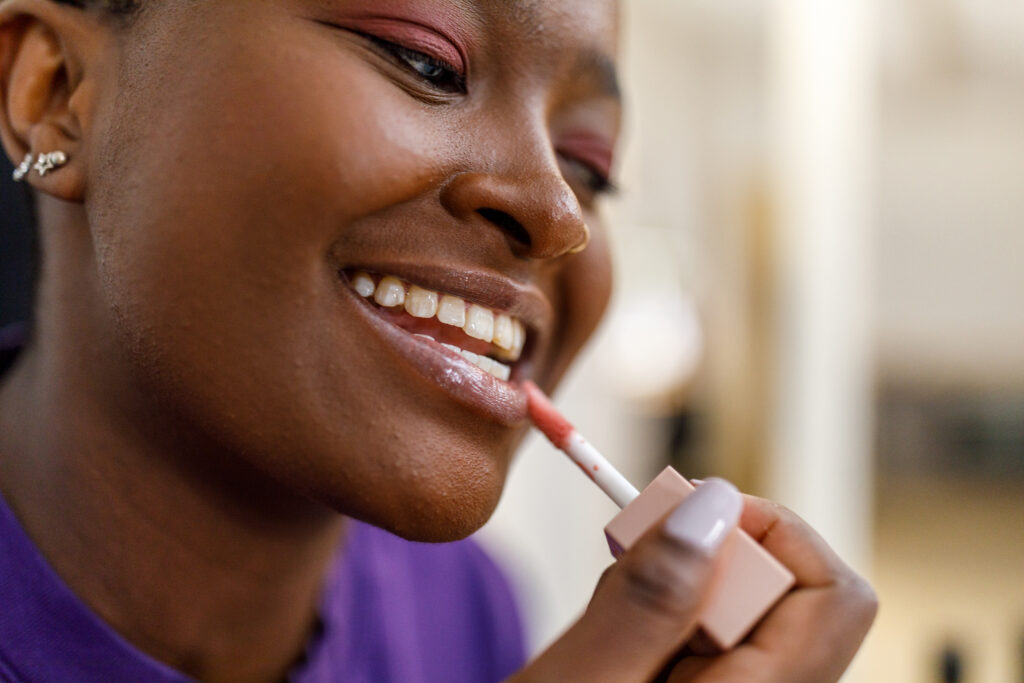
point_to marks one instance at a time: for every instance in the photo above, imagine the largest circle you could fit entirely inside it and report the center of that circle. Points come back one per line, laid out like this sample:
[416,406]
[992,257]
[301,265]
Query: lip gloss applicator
[750,579]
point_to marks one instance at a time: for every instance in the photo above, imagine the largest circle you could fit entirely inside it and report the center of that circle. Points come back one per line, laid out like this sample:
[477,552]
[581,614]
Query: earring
[23,168]
[586,240]
[49,161]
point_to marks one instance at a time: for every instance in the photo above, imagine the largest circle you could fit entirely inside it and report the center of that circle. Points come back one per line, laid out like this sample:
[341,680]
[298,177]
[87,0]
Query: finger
[815,632]
[793,542]
[817,629]
[648,603]
[688,669]
[744,665]
[810,636]
[702,645]
[604,577]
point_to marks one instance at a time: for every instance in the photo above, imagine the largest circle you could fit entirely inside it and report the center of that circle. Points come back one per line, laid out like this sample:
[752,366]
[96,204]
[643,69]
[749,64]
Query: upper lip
[475,285]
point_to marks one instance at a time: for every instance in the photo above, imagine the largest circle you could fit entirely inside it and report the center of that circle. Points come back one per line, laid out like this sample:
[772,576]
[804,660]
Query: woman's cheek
[586,285]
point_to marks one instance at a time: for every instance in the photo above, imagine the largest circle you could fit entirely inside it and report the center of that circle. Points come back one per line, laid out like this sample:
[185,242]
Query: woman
[247,212]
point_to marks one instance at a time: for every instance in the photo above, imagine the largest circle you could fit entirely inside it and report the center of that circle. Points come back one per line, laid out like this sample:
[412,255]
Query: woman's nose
[536,210]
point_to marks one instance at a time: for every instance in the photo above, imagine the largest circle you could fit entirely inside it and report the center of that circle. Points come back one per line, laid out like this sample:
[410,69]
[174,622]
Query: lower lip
[481,392]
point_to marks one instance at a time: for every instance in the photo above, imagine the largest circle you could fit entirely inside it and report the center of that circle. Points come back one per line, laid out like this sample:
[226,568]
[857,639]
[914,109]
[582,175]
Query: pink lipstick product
[750,579]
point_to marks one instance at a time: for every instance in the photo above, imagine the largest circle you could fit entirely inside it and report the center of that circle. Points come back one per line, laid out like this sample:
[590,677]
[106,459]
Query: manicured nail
[707,515]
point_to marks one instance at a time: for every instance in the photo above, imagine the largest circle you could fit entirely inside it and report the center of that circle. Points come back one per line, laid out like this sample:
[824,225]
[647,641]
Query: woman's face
[251,159]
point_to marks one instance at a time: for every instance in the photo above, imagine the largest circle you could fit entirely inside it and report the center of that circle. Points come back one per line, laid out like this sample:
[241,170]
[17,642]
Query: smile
[489,339]
[471,338]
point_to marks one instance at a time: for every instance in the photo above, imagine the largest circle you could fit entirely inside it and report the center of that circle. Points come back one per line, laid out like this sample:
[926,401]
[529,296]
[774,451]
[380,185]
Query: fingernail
[707,515]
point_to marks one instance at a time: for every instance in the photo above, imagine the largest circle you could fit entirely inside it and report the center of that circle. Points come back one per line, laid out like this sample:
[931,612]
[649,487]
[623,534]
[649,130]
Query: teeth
[390,292]
[484,363]
[363,284]
[421,303]
[500,370]
[493,367]
[424,336]
[451,347]
[452,311]
[518,338]
[503,335]
[479,323]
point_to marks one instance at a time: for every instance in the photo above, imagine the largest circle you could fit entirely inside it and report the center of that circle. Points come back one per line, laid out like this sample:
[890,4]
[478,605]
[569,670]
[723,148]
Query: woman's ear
[47,89]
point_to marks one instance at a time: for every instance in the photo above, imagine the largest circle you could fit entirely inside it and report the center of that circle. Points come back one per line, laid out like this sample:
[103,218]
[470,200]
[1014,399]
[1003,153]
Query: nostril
[509,225]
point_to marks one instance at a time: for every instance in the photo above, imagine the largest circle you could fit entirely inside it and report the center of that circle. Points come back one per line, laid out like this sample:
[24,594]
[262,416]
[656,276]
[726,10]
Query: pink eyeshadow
[589,148]
[413,37]
[442,30]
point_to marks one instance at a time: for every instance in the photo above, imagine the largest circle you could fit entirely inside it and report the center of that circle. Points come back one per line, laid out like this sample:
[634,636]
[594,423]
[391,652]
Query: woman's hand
[643,616]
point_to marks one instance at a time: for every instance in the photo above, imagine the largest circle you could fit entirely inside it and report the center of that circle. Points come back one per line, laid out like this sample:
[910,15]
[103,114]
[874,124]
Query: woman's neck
[192,556]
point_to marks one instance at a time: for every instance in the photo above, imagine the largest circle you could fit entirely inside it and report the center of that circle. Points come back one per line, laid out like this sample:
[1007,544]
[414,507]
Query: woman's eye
[437,72]
[595,182]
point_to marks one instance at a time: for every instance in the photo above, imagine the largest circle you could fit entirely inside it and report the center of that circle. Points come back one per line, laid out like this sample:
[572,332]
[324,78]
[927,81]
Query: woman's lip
[503,402]
[477,286]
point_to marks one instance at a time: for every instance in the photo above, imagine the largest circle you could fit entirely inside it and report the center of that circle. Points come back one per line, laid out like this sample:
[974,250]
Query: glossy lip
[500,401]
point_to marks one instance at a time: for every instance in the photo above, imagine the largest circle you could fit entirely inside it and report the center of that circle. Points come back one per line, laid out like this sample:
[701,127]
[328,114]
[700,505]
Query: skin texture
[203,396]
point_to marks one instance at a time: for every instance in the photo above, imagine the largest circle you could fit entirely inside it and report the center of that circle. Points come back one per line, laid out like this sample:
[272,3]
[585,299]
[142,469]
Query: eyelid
[593,152]
[412,36]
[602,184]
[396,47]
[589,149]
[456,84]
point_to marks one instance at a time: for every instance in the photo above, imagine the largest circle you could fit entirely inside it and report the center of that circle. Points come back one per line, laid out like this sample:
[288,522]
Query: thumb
[647,606]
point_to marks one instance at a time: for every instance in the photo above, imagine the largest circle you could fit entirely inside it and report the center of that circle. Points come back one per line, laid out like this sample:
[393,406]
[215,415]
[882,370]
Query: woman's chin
[439,500]
[447,525]
[431,518]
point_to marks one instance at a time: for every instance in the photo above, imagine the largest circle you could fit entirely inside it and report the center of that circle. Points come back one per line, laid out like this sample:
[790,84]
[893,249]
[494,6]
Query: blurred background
[821,297]
[820,251]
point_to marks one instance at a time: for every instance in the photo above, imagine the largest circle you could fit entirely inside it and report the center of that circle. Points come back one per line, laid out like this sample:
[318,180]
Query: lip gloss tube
[750,580]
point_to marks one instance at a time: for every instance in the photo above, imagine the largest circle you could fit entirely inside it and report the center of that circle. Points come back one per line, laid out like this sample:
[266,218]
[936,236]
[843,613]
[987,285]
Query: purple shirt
[392,610]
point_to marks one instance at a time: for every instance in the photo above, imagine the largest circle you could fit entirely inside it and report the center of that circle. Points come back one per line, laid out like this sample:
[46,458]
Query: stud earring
[49,161]
[586,240]
[23,168]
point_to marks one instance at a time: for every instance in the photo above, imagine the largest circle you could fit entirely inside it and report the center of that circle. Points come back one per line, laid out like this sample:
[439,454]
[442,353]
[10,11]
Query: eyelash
[443,75]
[595,181]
